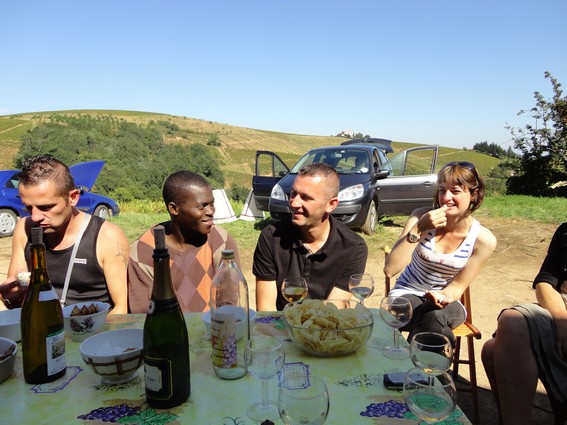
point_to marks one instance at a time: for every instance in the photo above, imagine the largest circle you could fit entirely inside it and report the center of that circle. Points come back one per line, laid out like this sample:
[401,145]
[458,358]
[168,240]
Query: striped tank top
[432,271]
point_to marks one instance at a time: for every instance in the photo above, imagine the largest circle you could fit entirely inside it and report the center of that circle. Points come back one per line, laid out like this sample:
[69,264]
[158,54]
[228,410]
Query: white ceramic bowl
[7,364]
[206,316]
[10,324]
[80,328]
[114,355]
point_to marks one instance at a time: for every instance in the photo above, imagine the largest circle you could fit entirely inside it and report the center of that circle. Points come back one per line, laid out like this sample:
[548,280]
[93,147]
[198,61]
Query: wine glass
[303,399]
[294,288]
[264,356]
[396,313]
[431,352]
[431,400]
[361,286]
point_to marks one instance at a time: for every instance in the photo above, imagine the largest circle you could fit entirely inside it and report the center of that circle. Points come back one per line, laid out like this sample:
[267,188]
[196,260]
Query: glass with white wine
[294,288]
[430,398]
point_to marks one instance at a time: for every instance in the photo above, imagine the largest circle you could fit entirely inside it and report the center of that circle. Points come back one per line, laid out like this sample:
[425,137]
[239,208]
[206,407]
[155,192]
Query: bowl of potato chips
[328,328]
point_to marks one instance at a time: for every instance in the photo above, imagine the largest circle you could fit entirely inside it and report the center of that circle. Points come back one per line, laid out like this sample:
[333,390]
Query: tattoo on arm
[122,251]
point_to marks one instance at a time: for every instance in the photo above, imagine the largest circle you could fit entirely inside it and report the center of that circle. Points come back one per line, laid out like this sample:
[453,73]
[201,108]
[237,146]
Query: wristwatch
[412,237]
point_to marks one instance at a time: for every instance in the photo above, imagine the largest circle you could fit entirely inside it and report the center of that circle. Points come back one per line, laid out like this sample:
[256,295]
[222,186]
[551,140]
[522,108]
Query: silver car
[372,186]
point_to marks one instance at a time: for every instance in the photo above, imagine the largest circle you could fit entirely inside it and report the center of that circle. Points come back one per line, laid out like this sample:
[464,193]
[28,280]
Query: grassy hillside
[236,145]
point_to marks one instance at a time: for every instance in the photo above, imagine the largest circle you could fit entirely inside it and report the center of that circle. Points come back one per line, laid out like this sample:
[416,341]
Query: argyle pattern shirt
[192,271]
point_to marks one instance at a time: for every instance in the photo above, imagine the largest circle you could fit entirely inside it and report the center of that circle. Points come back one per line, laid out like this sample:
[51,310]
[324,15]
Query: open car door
[411,181]
[269,169]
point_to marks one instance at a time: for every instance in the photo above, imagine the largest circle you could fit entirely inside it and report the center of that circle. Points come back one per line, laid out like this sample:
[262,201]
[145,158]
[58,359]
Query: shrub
[238,193]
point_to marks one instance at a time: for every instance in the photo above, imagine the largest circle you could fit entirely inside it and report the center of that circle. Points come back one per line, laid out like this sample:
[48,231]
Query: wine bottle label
[48,295]
[158,377]
[223,339]
[55,350]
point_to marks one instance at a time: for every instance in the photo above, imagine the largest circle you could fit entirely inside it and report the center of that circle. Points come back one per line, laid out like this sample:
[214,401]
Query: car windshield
[345,161]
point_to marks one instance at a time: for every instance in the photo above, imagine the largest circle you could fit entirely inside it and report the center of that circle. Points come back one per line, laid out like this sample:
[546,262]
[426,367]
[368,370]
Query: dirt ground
[504,281]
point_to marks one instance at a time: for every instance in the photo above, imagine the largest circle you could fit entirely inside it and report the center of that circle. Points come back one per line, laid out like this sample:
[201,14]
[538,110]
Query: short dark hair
[39,168]
[316,169]
[179,182]
[462,174]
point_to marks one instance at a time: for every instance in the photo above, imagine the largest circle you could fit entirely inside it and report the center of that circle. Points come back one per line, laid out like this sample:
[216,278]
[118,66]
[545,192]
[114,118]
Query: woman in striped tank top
[441,251]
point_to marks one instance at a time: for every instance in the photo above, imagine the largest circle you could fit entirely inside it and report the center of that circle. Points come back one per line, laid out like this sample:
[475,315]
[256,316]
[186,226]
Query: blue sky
[447,72]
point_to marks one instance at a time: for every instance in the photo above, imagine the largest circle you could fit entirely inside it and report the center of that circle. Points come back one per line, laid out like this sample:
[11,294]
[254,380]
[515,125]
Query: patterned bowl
[81,327]
[10,324]
[8,351]
[114,355]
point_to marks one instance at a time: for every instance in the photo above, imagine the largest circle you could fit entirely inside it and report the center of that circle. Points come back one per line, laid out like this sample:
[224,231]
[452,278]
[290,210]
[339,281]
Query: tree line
[137,159]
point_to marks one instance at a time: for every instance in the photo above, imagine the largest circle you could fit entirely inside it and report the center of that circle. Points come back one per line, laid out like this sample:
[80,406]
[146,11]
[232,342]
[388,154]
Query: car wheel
[102,211]
[8,220]
[369,225]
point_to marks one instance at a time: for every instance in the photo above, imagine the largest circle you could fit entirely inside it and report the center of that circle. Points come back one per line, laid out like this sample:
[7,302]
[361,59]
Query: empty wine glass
[264,356]
[303,399]
[431,400]
[361,286]
[294,288]
[431,352]
[396,313]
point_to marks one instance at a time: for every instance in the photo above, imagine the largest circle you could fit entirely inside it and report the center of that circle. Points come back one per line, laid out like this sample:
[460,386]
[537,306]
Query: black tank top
[87,278]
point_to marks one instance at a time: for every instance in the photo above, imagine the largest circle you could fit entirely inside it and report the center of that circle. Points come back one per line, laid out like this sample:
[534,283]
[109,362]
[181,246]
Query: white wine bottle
[43,335]
[166,341]
[230,319]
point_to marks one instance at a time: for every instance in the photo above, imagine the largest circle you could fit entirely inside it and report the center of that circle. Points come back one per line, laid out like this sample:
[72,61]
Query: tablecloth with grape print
[357,394]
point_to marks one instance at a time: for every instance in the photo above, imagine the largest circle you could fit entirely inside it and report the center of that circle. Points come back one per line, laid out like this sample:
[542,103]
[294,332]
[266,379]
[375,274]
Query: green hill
[236,146]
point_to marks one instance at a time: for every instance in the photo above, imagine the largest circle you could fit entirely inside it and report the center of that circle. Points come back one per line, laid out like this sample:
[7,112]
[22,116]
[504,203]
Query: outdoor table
[357,394]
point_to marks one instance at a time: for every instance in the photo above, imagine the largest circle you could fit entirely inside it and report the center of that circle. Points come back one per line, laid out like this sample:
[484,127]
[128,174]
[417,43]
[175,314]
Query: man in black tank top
[48,192]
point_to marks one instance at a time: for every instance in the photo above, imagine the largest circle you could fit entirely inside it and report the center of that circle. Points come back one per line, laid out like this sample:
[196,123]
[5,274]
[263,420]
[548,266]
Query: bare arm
[18,260]
[266,294]
[552,301]
[420,220]
[339,294]
[484,247]
[112,250]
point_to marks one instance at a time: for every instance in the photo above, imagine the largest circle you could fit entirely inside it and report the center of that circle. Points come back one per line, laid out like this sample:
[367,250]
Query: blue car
[85,175]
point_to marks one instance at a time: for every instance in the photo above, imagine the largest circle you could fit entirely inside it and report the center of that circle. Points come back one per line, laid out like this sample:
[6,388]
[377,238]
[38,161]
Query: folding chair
[466,330]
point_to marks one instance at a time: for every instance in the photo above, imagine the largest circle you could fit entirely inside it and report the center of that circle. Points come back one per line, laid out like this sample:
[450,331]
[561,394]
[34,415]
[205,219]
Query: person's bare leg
[487,356]
[515,368]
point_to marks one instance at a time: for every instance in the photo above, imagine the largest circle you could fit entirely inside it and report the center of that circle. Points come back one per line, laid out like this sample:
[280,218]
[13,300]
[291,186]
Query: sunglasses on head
[465,164]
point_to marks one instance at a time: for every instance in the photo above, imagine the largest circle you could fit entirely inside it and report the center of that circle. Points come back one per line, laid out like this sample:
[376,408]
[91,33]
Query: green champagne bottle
[43,335]
[166,341]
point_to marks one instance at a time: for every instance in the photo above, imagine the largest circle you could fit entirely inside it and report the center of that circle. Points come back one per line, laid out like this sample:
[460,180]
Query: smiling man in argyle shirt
[194,244]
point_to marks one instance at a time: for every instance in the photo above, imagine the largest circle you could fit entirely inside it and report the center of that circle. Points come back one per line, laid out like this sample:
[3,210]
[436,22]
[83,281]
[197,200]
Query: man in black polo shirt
[311,244]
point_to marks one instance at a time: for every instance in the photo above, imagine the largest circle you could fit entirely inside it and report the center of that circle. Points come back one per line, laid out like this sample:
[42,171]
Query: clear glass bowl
[328,328]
